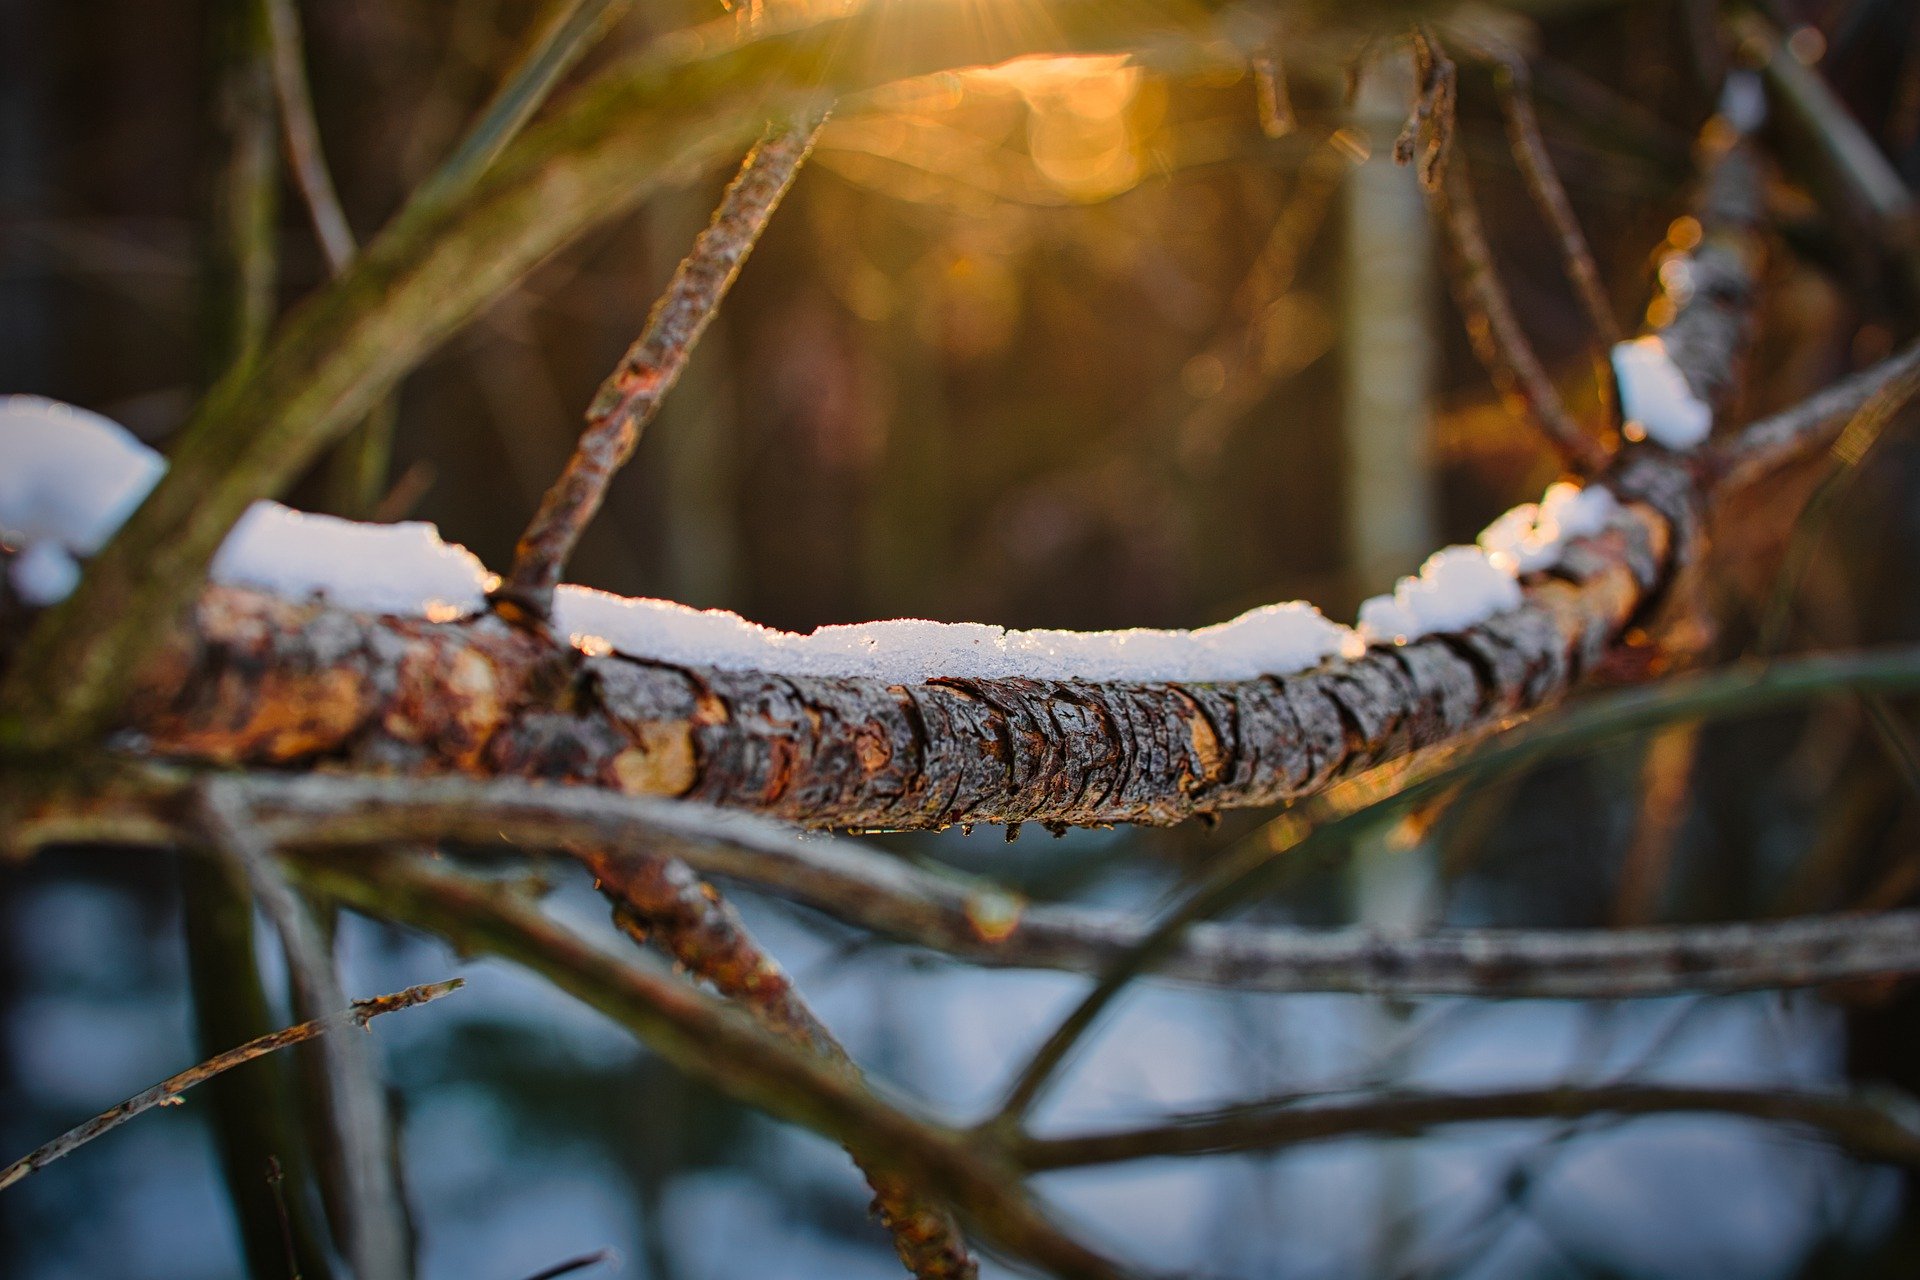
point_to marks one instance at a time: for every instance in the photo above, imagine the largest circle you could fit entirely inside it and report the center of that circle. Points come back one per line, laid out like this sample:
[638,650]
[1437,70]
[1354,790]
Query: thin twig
[301,134]
[1428,135]
[1495,330]
[715,1043]
[1271,98]
[630,397]
[660,900]
[1813,425]
[376,1236]
[1867,1127]
[571,1265]
[167,1092]
[1514,82]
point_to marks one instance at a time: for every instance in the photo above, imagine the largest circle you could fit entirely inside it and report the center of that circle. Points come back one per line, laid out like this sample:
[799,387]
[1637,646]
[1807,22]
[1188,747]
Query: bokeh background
[1059,344]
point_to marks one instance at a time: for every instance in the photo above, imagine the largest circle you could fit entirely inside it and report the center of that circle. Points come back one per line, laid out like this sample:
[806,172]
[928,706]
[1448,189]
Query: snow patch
[69,477]
[1743,101]
[45,573]
[1655,396]
[1532,536]
[1272,640]
[372,568]
[1459,587]
[1456,588]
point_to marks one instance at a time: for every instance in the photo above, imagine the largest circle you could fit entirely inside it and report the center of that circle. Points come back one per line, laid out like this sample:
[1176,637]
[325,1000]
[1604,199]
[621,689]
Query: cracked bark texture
[258,680]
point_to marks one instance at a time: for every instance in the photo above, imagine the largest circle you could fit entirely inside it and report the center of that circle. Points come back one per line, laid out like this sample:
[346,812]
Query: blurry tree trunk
[1387,338]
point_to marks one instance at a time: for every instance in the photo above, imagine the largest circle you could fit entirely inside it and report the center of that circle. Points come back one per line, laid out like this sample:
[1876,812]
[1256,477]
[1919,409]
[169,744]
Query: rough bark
[257,680]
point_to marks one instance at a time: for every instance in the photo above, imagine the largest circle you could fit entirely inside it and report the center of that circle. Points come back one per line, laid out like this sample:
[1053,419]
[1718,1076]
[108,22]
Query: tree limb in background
[716,1043]
[660,900]
[1513,83]
[306,159]
[983,923]
[1497,337]
[376,1239]
[631,396]
[1871,1128]
[167,1092]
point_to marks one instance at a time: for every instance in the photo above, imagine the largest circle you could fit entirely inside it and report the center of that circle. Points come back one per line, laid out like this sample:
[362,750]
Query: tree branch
[1871,1129]
[167,1092]
[658,899]
[376,1240]
[714,1043]
[632,394]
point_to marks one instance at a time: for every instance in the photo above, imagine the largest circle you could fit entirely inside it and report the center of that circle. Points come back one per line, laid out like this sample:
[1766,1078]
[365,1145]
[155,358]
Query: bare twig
[305,158]
[1514,82]
[1868,1127]
[357,469]
[571,1265]
[1428,135]
[630,397]
[376,1237]
[660,900]
[716,1043]
[561,37]
[1666,784]
[167,1092]
[1272,100]
[1813,425]
[1498,339]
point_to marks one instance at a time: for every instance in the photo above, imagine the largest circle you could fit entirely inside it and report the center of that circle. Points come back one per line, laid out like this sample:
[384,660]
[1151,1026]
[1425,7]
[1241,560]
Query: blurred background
[1056,344]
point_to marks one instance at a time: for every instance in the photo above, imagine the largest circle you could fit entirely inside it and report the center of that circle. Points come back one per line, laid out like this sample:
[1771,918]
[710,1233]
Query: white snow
[1743,101]
[1273,640]
[1456,588]
[1655,396]
[1459,587]
[374,568]
[1531,537]
[68,478]
[45,573]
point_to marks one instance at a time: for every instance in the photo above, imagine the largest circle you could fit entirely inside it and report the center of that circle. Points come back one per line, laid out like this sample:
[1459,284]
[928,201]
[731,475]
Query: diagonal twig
[1513,81]
[1494,329]
[631,396]
[705,1037]
[167,1092]
[301,136]
[659,899]
[1513,84]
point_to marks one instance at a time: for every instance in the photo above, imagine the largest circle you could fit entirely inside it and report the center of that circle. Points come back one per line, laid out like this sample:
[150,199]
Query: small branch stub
[630,398]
